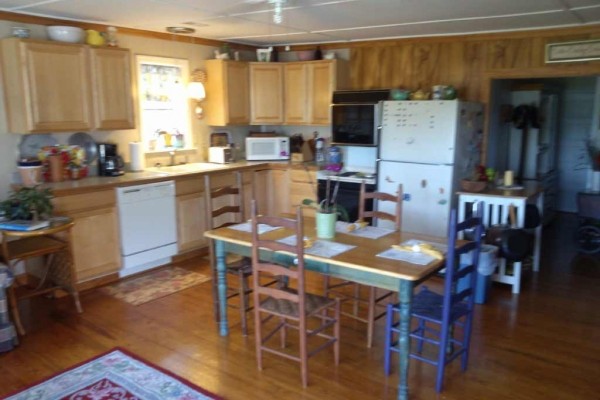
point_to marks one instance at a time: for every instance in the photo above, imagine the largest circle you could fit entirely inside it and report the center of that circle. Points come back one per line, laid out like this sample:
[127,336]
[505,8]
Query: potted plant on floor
[327,212]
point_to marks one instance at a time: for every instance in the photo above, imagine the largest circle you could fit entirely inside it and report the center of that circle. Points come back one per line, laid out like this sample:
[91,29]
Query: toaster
[220,154]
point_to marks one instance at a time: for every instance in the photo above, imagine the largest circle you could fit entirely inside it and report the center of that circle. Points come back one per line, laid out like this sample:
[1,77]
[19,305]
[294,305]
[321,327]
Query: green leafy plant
[29,203]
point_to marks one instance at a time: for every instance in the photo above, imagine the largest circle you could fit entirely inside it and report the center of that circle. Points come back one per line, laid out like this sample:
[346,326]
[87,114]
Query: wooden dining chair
[283,306]
[375,300]
[225,207]
[440,316]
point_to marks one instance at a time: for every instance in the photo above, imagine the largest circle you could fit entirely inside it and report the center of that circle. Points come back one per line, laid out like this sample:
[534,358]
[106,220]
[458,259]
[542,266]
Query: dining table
[360,263]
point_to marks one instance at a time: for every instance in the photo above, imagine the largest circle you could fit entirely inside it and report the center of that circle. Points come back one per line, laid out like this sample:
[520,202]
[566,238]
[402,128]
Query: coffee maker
[109,162]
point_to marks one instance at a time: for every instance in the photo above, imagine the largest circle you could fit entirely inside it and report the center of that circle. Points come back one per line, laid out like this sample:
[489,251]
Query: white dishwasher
[148,226]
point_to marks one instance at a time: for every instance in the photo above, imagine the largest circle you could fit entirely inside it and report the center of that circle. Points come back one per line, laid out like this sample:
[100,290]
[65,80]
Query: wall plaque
[573,51]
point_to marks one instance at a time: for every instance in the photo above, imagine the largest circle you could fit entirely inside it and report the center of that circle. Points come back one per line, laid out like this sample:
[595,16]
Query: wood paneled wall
[467,62]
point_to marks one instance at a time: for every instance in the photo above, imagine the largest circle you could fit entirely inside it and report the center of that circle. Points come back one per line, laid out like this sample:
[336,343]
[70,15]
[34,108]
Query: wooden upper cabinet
[47,86]
[227,93]
[111,78]
[266,93]
[323,81]
[296,84]
[64,87]
[308,90]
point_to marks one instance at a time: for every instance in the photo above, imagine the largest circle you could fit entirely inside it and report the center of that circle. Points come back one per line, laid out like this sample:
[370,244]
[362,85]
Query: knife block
[304,155]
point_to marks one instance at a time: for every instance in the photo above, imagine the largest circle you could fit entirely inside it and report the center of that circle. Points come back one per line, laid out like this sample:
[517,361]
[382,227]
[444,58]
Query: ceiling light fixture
[180,29]
[277,9]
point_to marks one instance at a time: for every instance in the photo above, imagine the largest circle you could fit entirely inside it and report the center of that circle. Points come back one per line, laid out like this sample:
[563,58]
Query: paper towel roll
[137,157]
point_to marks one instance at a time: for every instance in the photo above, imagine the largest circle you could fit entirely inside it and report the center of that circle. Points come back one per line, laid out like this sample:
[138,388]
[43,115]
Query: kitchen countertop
[155,174]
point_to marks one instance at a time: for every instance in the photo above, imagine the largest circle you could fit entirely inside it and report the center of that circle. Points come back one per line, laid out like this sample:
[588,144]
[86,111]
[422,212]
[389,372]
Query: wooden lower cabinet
[192,206]
[303,186]
[256,186]
[191,213]
[279,192]
[96,239]
[95,235]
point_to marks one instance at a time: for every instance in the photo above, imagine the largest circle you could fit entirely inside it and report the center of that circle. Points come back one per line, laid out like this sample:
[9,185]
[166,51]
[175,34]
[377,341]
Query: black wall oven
[355,117]
[347,196]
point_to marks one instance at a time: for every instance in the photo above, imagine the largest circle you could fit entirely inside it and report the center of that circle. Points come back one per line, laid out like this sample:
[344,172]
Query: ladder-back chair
[279,307]
[439,315]
[375,298]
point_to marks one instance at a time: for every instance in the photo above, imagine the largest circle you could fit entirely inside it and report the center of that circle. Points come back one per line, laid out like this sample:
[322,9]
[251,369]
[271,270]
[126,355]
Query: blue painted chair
[438,315]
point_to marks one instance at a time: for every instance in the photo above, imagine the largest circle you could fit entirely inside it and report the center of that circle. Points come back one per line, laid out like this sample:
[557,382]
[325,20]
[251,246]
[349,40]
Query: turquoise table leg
[222,287]
[405,295]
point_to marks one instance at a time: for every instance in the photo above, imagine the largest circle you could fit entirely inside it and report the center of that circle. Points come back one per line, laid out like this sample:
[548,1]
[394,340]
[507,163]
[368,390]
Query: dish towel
[8,335]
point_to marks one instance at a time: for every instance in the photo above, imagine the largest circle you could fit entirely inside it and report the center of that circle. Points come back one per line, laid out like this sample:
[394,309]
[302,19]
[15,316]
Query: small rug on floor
[115,375]
[154,285]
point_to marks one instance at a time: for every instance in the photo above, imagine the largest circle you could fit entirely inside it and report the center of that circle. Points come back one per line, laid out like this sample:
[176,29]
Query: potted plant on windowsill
[28,203]
[327,213]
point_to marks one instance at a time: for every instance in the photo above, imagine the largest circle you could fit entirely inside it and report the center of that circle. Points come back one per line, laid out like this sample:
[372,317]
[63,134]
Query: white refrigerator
[428,147]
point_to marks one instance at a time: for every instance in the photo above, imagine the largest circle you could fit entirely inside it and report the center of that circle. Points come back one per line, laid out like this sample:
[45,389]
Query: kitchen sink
[185,168]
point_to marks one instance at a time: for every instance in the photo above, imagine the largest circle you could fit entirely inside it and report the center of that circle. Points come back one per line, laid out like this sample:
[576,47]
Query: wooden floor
[541,344]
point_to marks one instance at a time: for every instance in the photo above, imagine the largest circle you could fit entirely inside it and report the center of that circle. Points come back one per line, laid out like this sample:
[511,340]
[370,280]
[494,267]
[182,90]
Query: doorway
[554,153]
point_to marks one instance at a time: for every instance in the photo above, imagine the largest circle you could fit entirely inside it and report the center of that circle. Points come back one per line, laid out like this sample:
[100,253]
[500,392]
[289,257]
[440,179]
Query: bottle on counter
[320,151]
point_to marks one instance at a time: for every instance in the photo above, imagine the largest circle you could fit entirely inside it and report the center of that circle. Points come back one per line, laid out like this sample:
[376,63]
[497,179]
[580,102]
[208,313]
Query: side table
[496,205]
[53,243]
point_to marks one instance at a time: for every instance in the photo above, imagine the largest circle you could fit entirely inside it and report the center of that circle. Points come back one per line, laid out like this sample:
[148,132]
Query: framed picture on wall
[573,51]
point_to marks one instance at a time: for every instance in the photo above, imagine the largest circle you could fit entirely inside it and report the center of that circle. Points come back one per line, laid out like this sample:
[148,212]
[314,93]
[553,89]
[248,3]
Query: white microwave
[267,148]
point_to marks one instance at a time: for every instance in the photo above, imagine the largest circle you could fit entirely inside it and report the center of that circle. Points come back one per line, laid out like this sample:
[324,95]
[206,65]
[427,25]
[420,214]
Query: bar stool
[53,243]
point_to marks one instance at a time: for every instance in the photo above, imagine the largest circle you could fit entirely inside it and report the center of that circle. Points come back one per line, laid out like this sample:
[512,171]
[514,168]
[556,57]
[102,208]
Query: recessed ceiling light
[180,29]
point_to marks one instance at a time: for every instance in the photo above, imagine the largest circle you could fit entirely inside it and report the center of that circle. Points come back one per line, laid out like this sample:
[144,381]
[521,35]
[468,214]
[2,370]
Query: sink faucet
[173,157]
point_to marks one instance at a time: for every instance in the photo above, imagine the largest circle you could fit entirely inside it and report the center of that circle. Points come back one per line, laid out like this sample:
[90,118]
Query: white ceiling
[319,21]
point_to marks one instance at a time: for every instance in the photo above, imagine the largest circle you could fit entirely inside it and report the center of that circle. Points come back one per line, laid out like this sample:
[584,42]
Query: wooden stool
[54,243]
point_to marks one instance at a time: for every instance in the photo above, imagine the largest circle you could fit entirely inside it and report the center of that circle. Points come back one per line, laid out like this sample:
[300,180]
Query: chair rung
[321,347]
[424,359]
[280,353]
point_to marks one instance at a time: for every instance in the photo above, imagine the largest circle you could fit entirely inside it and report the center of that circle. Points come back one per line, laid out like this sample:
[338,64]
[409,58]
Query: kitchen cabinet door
[96,243]
[111,77]
[266,93]
[303,186]
[191,222]
[296,93]
[322,85]
[47,86]
[191,213]
[95,236]
[256,186]
[279,192]
[228,99]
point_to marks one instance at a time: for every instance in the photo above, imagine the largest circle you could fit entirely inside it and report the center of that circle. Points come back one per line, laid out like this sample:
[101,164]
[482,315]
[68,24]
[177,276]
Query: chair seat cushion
[428,304]
[313,304]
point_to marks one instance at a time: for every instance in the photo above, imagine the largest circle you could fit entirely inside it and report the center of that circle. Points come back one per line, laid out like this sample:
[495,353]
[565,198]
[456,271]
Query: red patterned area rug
[154,285]
[116,375]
